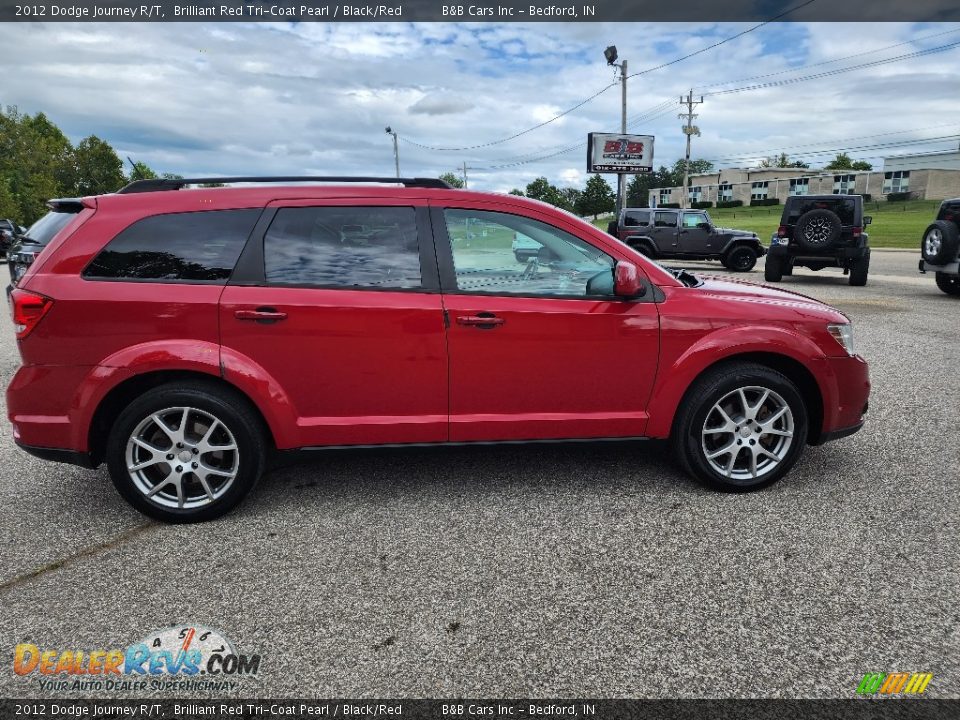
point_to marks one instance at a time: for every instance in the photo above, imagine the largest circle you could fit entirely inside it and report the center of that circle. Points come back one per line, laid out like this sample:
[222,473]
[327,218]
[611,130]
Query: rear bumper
[948,269]
[834,255]
[71,457]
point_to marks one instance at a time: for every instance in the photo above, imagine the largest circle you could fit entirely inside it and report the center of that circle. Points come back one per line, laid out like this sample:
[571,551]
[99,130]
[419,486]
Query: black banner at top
[633,11]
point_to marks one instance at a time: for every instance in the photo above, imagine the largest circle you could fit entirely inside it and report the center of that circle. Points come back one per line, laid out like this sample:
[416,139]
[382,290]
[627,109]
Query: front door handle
[483,320]
[264,315]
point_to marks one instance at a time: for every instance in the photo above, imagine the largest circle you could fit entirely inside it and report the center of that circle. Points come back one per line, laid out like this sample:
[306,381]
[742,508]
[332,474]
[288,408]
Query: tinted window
[44,229]
[635,219]
[665,219]
[692,220]
[485,260]
[373,247]
[198,246]
[844,208]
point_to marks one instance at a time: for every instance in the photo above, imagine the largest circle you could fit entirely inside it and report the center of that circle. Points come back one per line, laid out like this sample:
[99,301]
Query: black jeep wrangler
[940,247]
[818,231]
[689,234]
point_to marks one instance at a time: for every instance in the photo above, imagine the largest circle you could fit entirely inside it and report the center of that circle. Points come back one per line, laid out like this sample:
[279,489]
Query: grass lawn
[895,224]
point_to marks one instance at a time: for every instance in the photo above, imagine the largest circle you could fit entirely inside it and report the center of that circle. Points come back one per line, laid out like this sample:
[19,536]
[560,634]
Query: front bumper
[847,399]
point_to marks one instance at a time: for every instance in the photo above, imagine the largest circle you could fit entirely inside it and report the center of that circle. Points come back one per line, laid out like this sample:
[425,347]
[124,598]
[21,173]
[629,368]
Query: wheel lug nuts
[195,451]
[179,468]
[195,466]
[170,456]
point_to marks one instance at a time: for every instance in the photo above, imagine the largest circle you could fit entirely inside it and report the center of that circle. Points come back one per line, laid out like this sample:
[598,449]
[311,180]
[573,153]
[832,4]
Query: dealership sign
[619,153]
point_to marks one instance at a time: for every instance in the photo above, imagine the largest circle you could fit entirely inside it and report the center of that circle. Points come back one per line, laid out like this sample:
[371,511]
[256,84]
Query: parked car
[688,234]
[940,247]
[187,337]
[524,248]
[818,231]
[34,239]
[8,232]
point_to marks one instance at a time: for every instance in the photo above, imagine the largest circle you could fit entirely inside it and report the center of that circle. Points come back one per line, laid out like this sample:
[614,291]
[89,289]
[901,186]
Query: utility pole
[396,150]
[622,178]
[465,175]
[689,130]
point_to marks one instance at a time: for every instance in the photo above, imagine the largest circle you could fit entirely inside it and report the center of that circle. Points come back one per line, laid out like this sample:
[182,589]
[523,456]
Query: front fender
[678,371]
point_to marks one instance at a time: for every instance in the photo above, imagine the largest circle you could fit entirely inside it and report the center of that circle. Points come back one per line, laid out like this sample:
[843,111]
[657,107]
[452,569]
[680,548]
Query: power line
[603,90]
[830,62]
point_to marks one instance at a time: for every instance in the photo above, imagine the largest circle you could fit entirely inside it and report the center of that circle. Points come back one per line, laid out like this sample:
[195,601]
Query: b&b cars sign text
[619,153]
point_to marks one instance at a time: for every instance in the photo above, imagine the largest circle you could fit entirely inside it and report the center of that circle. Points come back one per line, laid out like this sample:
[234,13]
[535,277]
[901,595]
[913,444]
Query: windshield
[46,228]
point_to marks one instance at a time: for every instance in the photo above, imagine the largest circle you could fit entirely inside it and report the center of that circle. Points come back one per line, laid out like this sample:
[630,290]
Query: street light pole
[611,56]
[396,150]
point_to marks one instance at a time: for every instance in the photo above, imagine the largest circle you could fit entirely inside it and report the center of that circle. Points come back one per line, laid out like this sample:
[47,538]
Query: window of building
[725,192]
[664,195]
[178,247]
[696,193]
[896,181]
[844,184]
[759,190]
[800,186]
[564,264]
[349,247]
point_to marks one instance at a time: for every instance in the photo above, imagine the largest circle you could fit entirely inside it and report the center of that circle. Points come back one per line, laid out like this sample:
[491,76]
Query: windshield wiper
[686,277]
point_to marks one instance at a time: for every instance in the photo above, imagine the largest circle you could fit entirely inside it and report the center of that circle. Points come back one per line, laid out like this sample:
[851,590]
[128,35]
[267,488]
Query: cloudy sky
[313,98]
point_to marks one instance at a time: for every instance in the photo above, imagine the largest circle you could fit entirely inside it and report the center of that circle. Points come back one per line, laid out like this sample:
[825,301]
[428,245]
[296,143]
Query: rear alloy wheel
[950,284]
[185,453]
[741,259]
[743,427]
[941,241]
[818,229]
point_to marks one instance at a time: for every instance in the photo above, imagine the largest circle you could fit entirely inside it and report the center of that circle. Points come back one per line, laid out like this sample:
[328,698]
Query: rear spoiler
[71,205]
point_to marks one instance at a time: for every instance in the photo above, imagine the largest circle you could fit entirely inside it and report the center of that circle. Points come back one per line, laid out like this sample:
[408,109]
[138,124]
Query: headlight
[843,334]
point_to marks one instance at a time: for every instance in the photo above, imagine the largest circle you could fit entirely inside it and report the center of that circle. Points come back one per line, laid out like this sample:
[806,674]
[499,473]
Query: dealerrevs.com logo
[894,683]
[176,658]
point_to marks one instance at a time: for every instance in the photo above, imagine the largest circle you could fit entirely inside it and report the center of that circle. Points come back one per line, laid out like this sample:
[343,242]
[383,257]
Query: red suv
[183,336]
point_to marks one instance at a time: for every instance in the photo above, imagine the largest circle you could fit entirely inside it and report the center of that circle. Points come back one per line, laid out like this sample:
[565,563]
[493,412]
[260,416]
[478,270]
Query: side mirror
[705,226]
[867,220]
[626,281]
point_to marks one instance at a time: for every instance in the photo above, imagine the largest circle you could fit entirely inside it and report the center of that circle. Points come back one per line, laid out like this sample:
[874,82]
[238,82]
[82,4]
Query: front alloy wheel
[741,427]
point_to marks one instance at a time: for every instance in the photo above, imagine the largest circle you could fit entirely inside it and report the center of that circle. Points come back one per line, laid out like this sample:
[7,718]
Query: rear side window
[44,229]
[665,219]
[636,219]
[845,209]
[347,247]
[196,246]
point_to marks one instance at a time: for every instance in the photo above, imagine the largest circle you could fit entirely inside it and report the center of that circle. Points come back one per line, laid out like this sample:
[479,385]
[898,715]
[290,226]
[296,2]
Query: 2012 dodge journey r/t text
[184,336]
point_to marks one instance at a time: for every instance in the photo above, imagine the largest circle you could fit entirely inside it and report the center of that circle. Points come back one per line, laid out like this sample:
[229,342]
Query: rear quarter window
[47,227]
[180,247]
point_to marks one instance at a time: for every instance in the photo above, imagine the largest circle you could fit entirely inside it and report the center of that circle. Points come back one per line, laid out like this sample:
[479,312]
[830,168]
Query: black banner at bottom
[582,709]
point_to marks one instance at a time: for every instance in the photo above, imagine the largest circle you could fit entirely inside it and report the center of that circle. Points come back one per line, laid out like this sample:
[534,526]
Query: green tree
[782,161]
[141,171]
[452,179]
[598,197]
[541,189]
[697,167]
[861,165]
[97,167]
[517,191]
[841,162]
[571,198]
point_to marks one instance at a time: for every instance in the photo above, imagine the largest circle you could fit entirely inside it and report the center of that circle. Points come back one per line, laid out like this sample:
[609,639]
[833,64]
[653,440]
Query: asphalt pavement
[541,571]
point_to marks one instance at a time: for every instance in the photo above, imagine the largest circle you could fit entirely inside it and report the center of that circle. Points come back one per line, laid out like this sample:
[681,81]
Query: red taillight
[782,231]
[28,309]
[857,231]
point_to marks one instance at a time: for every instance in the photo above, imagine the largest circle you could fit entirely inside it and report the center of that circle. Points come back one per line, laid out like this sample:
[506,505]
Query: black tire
[644,248]
[238,423]
[818,230]
[690,442]
[859,269]
[521,258]
[788,269]
[612,227]
[742,258]
[941,242]
[950,284]
[773,268]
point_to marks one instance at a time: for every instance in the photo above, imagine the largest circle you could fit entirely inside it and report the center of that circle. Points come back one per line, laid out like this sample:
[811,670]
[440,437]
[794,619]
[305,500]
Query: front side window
[693,220]
[343,247]
[484,261]
[180,247]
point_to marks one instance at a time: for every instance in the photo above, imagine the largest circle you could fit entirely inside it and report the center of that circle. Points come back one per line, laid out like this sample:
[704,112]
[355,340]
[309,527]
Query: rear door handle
[484,321]
[263,315]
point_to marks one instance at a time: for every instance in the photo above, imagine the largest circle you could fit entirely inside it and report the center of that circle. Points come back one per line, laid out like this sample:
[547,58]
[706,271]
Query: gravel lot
[581,570]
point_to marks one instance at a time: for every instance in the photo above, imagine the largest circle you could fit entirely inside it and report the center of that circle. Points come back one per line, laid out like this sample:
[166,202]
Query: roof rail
[158,184]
